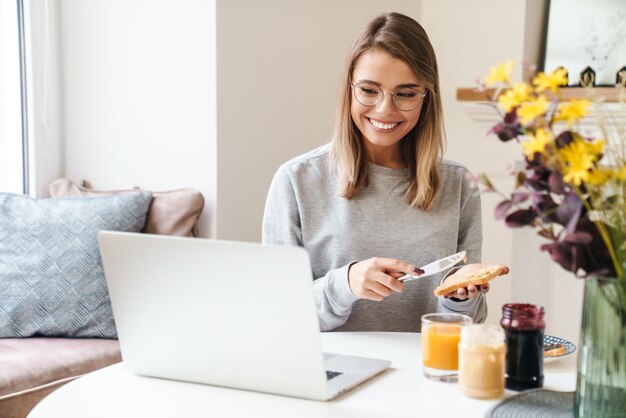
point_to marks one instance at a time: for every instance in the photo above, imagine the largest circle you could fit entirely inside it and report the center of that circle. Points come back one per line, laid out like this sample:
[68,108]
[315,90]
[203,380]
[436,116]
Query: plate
[550,341]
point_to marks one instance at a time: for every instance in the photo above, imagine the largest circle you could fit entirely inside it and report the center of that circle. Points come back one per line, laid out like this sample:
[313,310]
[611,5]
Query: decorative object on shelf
[620,77]
[596,39]
[572,191]
[587,77]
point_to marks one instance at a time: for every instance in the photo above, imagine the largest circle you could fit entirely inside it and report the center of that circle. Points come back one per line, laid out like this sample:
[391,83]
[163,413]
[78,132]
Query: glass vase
[601,383]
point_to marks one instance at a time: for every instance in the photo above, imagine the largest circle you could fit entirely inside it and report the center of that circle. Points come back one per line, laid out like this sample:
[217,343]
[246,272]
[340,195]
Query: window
[11,143]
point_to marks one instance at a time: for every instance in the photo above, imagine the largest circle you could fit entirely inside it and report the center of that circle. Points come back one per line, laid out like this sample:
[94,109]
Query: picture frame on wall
[586,37]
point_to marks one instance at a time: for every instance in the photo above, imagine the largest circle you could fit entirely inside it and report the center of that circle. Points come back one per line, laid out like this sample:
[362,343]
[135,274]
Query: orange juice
[440,346]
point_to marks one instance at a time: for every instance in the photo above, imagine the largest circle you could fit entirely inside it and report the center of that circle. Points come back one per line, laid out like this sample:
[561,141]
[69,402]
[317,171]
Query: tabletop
[401,391]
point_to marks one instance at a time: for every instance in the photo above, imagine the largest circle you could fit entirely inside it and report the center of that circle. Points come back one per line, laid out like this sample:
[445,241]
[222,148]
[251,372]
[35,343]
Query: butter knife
[437,266]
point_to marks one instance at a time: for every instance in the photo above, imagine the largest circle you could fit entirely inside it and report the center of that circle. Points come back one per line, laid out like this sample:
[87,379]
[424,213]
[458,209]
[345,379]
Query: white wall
[139,95]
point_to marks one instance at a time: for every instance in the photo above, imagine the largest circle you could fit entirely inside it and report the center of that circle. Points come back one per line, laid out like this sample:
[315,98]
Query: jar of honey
[524,327]
[482,361]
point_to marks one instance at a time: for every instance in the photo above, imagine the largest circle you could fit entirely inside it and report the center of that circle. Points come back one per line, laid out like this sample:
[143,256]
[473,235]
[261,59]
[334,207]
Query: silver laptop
[224,313]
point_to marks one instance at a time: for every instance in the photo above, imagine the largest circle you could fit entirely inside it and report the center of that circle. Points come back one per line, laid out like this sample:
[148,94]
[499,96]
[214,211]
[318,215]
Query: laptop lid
[225,313]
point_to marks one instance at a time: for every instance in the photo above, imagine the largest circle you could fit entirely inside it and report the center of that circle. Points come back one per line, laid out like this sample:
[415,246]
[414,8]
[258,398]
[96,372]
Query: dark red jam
[523,327]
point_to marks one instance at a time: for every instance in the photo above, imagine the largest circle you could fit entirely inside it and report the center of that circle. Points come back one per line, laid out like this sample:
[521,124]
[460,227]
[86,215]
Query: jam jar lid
[523,316]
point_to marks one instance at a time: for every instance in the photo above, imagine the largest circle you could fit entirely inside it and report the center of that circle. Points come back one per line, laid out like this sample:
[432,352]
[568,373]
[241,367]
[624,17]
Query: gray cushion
[51,277]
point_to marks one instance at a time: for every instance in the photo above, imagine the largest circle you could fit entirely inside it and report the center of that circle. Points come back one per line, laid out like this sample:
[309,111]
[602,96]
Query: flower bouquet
[572,190]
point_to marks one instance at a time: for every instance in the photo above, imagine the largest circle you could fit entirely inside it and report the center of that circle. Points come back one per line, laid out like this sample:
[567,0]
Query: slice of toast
[554,350]
[475,274]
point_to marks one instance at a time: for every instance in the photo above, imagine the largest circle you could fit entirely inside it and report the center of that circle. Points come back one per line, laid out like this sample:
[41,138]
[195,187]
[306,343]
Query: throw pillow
[51,277]
[173,212]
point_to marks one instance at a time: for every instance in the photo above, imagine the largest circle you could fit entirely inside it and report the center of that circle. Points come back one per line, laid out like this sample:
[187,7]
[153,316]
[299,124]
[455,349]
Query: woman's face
[384,125]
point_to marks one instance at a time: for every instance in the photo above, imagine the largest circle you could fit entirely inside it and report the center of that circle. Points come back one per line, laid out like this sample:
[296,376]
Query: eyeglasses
[405,98]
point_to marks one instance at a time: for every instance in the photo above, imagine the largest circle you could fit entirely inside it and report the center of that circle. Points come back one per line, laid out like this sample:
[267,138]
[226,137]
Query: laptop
[225,313]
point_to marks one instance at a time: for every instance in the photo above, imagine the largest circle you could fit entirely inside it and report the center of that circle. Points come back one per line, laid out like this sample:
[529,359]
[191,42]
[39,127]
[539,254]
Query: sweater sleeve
[282,225]
[470,240]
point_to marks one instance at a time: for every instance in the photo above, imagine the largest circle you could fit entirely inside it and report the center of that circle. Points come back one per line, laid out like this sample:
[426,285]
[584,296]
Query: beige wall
[278,65]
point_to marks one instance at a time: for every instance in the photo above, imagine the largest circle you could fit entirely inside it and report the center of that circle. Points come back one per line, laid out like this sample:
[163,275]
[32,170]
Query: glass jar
[482,361]
[524,327]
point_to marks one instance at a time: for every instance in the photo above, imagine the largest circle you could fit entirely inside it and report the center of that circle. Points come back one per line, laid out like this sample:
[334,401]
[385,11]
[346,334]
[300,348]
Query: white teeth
[383,125]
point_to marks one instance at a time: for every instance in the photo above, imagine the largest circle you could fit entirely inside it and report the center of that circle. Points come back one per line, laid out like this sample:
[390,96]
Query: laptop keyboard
[330,375]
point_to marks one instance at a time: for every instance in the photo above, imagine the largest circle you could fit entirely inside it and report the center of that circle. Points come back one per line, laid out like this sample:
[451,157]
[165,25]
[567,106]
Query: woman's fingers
[377,287]
[396,274]
[396,265]
[377,278]
[384,284]
[471,291]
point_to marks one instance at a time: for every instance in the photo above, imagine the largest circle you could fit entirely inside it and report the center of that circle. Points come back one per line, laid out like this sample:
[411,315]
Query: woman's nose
[386,103]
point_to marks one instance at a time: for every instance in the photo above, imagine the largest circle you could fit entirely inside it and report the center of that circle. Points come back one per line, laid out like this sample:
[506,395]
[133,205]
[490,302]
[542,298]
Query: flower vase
[601,383]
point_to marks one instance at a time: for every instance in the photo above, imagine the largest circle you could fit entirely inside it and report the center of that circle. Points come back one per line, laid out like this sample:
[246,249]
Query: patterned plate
[551,342]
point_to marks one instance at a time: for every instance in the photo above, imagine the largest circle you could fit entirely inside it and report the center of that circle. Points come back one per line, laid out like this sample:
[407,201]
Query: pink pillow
[173,212]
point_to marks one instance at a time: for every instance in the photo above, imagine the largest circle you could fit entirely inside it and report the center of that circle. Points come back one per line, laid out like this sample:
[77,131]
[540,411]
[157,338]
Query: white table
[401,391]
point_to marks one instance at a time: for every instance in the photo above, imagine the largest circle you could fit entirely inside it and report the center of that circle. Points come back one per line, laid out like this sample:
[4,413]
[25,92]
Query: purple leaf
[569,211]
[519,197]
[502,209]
[578,238]
[509,128]
[564,139]
[546,207]
[556,183]
[522,217]
[511,117]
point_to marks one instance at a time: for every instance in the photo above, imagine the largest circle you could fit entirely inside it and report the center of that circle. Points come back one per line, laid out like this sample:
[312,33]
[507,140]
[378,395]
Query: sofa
[56,322]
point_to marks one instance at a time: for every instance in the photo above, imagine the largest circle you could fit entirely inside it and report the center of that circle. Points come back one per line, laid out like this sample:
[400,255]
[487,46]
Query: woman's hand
[468,292]
[376,278]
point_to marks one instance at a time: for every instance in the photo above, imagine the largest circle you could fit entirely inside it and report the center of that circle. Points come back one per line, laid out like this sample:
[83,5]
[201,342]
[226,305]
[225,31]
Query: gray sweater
[304,207]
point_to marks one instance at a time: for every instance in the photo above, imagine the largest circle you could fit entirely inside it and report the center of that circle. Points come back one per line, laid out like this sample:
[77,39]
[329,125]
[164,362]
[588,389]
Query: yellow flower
[577,162]
[531,109]
[598,176]
[536,143]
[573,110]
[595,148]
[550,81]
[620,173]
[500,73]
[513,97]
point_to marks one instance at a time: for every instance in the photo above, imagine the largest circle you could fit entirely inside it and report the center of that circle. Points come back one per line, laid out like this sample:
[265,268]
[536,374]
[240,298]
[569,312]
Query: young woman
[379,200]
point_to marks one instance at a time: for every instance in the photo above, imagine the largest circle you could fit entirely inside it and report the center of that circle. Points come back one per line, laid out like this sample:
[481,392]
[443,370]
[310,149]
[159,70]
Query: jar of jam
[523,327]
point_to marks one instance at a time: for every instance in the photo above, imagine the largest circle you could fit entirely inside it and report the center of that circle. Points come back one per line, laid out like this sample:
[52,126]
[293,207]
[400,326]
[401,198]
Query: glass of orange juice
[440,345]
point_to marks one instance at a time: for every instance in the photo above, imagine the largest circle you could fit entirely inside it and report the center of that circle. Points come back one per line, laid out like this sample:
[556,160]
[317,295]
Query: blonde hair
[423,147]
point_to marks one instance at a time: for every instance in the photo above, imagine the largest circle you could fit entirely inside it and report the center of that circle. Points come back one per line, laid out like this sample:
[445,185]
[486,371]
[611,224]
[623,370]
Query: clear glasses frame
[394,96]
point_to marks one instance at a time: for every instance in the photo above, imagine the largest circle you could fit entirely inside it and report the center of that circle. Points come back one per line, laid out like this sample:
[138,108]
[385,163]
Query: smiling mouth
[382,125]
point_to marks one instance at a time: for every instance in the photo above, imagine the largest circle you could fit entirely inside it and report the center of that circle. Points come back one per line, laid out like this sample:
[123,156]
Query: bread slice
[555,351]
[475,274]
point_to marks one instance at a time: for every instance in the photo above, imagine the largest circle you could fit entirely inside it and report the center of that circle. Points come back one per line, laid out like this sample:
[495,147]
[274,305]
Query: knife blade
[436,266]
